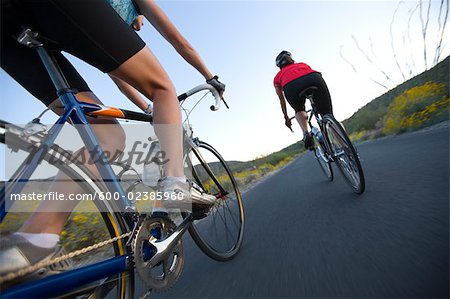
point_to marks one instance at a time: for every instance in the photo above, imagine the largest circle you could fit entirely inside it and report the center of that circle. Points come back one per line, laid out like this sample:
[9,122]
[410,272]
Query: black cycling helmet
[282,60]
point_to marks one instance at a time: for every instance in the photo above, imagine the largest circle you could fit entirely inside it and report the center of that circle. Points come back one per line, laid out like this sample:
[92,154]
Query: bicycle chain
[44,264]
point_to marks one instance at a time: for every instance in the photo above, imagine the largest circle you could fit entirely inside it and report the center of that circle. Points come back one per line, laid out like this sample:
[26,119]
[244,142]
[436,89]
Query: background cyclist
[292,79]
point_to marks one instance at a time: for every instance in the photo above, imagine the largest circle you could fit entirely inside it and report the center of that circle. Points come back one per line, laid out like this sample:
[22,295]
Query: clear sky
[239,41]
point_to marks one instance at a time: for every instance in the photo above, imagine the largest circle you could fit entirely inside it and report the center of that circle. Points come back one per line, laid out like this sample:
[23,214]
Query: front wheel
[344,154]
[219,235]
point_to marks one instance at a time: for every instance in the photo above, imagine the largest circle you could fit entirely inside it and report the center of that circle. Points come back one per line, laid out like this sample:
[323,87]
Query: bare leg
[48,218]
[302,118]
[144,72]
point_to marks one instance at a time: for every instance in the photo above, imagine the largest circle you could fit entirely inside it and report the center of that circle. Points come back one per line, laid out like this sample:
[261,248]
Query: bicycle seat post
[30,39]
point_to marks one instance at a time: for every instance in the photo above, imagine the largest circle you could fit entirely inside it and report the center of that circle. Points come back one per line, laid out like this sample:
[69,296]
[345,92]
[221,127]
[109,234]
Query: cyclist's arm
[131,93]
[279,92]
[287,120]
[168,30]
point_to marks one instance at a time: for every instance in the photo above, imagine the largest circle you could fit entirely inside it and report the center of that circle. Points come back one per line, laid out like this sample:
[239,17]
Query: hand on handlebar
[138,23]
[219,86]
[288,123]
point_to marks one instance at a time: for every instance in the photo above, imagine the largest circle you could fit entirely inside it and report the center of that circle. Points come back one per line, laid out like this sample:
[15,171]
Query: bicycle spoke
[234,220]
[225,222]
[219,235]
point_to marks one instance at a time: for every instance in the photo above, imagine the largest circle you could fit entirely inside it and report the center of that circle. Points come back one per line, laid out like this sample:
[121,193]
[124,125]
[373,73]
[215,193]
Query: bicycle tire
[209,175]
[345,154]
[319,154]
[113,221]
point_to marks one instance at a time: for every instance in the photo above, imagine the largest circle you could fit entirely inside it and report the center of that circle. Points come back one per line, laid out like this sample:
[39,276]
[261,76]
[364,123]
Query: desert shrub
[417,107]
[84,229]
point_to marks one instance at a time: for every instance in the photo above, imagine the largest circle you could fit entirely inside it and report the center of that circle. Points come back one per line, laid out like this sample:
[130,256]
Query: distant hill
[367,117]
[272,159]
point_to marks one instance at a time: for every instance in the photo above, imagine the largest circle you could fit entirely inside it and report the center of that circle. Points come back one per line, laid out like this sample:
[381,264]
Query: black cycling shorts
[88,29]
[322,96]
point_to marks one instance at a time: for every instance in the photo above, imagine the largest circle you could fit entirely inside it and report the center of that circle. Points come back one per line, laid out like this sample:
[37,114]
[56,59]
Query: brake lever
[226,104]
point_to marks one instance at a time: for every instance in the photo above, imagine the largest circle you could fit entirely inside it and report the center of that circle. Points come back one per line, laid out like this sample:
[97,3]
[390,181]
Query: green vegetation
[82,230]
[416,108]
[248,172]
[417,93]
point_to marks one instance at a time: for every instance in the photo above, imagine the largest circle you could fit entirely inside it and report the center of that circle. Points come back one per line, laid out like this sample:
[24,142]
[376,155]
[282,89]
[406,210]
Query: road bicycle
[135,253]
[332,144]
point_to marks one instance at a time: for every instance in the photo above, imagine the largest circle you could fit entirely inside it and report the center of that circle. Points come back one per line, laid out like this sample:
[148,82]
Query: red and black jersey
[292,72]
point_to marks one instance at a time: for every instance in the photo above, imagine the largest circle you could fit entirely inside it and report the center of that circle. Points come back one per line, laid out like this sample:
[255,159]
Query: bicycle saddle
[307,92]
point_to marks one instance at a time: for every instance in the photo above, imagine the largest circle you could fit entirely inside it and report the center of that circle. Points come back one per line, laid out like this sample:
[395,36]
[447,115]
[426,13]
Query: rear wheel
[219,235]
[97,225]
[344,154]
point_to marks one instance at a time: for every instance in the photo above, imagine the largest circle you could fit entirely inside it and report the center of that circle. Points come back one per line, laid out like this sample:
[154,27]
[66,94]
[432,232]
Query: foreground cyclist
[289,82]
[110,45]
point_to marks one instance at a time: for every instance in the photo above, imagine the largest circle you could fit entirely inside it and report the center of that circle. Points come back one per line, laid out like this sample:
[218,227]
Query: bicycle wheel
[219,235]
[319,154]
[344,154]
[112,224]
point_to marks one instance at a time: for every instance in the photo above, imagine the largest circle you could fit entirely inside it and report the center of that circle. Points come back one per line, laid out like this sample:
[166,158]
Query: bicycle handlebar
[201,87]
[111,112]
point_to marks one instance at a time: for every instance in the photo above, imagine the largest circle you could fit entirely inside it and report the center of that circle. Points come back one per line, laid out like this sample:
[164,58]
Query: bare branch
[424,30]
[409,38]
[371,47]
[356,71]
[376,82]
[404,35]
[441,31]
[370,60]
[392,41]
[346,60]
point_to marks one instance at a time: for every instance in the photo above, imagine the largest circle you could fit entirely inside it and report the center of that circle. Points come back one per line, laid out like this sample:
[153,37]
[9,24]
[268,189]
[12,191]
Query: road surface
[306,237]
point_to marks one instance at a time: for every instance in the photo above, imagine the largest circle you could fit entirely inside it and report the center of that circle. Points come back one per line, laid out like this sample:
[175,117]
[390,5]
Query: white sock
[180,178]
[41,240]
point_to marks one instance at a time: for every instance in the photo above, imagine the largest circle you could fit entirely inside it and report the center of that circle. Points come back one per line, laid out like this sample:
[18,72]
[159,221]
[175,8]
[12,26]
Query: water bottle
[153,170]
[316,132]
[187,128]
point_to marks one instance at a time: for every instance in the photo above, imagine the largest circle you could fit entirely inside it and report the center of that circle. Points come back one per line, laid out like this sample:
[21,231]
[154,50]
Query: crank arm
[164,247]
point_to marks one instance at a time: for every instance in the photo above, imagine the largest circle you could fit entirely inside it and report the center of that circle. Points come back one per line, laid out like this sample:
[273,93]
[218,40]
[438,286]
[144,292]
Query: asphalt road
[306,237]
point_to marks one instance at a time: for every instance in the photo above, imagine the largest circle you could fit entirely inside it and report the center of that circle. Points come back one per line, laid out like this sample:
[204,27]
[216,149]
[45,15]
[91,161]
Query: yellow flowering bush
[84,229]
[417,107]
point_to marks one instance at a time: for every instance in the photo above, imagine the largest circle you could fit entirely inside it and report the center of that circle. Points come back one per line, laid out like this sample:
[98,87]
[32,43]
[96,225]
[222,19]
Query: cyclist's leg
[38,237]
[302,119]
[17,60]
[50,218]
[144,72]
[95,33]
[291,92]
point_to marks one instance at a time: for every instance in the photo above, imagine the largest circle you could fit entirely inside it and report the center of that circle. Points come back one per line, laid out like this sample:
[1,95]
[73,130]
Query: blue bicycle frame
[75,111]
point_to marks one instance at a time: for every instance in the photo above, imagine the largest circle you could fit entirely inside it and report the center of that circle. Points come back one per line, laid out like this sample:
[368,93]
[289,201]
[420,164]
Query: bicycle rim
[345,154]
[324,163]
[220,234]
[122,285]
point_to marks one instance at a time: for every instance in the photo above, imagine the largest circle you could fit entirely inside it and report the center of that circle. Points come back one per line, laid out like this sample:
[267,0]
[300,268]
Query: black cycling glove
[214,81]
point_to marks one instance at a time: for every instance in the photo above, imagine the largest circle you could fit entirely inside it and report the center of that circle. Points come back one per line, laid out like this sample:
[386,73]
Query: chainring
[157,276]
